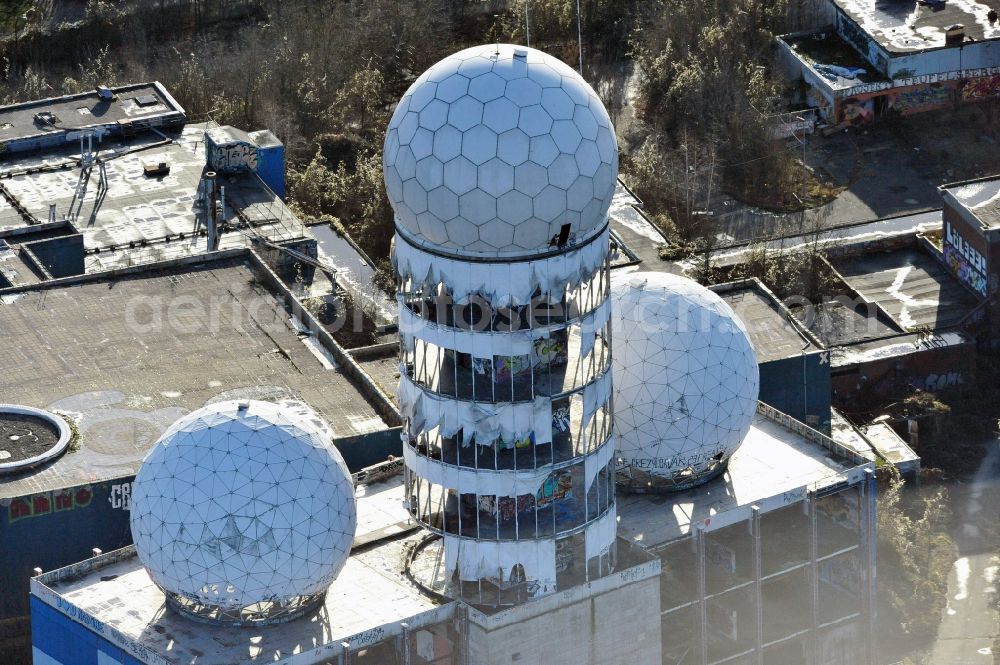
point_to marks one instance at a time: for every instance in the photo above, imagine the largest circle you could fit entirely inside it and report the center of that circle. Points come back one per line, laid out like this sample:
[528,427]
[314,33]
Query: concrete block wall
[617,627]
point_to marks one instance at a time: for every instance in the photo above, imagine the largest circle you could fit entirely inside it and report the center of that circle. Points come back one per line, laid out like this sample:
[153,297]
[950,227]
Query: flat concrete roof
[980,197]
[905,26]
[773,335]
[894,347]
[891,446]
[774,463]
[127,207]
[846,321]
[369,593]
[915,289]
[383,368]
[637,233]
[86,110]
[126,355]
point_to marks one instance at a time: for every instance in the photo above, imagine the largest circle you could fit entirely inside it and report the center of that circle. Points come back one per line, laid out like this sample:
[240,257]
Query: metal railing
[800,428]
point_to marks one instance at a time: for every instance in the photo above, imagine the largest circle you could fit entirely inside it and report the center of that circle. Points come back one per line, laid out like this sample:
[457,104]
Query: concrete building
[908,324]
[794,364]
[773,558]
[772,561]
[877,60]
[96,181]
[121,355]
[971,245]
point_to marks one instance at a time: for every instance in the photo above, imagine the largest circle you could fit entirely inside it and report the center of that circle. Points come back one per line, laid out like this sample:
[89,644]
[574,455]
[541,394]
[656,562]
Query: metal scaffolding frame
[865,548]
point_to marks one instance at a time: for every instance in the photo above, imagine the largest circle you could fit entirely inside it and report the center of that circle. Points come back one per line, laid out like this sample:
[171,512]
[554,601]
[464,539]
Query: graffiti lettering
[939,381]
[977,78]
[367,638]
[48,502]
[855,35]
[964,260]
[678,462]
[630,575]
[235,157]
[121,496]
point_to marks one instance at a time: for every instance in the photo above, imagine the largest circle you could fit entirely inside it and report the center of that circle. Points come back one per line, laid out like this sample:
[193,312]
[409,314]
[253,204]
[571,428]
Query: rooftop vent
[954,35]
[146,100]
[104,92]
[521,53]
[46,118]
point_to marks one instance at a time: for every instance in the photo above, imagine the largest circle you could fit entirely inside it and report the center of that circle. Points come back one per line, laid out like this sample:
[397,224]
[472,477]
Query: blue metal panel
[111,653]
[799,386]
[55,529]
[271,168]
[61,638]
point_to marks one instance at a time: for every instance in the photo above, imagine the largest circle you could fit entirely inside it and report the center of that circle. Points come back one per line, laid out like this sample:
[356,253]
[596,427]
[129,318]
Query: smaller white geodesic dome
[494,149]
[244,512]
[686,379]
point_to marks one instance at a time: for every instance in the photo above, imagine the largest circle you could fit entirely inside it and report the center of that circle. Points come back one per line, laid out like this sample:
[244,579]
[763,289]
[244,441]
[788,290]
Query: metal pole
[813,574]
[758,592]
[406,642]
[579,33]
[871,535]
[702,592]
[527,25]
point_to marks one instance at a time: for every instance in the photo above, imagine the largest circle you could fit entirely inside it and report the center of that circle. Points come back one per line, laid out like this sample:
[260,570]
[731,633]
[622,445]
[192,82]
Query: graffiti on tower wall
[964,260]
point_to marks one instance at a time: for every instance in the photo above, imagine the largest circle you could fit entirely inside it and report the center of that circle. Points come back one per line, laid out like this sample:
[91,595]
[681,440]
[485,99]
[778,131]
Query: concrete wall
[810,14]
[971,55]
[931,369]
[58,257]
[366,450]
[618,627]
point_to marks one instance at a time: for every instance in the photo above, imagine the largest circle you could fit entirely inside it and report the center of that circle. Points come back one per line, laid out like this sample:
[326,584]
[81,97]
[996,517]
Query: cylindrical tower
[501,163]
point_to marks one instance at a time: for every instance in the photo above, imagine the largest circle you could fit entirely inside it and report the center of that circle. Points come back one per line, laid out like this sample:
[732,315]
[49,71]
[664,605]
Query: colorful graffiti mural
[857,111]
[964,260]
[982,88]
[920,99]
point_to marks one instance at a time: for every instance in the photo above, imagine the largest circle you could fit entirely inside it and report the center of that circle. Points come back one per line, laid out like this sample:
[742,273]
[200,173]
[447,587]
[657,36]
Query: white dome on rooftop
[244,508]
[492,150]
[686,378]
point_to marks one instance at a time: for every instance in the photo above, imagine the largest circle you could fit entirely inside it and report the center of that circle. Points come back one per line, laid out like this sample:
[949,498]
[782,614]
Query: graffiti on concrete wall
[968,264]
[857,111]
[935,382]
[855,35]
[920,99]
[234,157]
[120,496]
[48,502]
[981,88]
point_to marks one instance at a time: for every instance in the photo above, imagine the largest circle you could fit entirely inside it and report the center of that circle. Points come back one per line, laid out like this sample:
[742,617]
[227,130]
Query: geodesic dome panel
[244,503]
[495,148]
[685,376]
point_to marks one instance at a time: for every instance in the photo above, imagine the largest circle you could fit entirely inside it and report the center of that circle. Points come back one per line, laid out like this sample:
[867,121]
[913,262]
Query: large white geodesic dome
[495,148]
[685,376]
[244,512]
